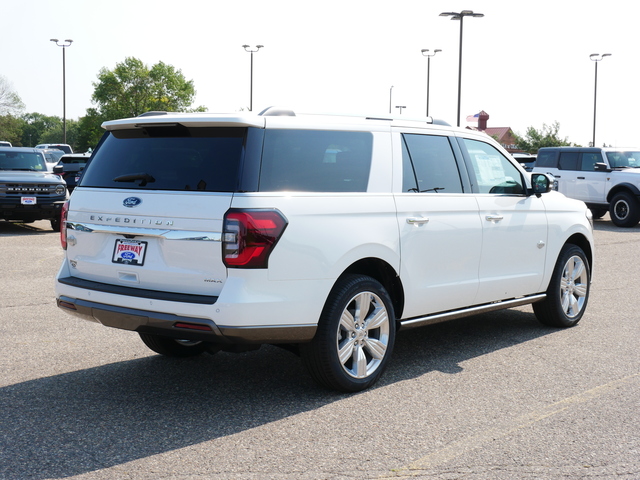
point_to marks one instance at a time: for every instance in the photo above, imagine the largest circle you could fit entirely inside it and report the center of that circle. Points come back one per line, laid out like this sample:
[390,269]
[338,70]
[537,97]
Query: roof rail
[277,112]
[152,114]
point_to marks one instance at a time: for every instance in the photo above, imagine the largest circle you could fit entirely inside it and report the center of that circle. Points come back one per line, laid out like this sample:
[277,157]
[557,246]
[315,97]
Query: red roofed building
[504,135]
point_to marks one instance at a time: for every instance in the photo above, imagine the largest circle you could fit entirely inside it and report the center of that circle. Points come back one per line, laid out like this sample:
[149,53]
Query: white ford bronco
[323,234]
[606,179]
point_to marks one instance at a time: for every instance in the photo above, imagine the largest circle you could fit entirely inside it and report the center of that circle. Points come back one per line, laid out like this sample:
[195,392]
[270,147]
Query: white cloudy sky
[524,63]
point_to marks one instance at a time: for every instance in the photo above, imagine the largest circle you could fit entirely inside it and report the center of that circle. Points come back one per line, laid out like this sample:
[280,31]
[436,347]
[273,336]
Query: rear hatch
[149,209]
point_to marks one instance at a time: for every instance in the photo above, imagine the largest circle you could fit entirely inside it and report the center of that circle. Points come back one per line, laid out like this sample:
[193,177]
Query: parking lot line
[467,444]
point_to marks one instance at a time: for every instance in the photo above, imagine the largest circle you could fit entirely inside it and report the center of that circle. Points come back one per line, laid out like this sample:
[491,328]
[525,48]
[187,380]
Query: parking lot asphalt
[495,396]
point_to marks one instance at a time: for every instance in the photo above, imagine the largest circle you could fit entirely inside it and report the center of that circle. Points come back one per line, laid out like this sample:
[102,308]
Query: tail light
[63,225]
[249,237]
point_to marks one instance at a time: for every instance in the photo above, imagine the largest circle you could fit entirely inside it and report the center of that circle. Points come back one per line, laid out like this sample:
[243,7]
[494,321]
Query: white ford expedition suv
[324,234]
[606,179]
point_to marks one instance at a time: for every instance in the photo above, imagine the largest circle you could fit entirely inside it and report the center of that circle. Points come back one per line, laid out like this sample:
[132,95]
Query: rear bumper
[187,328]
[39,211]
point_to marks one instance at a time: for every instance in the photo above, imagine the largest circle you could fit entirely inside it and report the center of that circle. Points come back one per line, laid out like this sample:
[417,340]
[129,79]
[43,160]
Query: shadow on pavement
[100,417]
[605,224]
[11,229]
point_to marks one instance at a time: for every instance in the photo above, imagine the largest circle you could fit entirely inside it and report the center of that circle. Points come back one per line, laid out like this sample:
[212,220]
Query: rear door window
[168,158]
[429,165]
[568,161]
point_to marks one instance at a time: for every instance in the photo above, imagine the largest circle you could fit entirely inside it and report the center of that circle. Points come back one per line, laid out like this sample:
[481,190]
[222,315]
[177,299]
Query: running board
[453,314]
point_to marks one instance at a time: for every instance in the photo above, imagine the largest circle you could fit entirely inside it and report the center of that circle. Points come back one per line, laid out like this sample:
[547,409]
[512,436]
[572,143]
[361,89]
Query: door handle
[494,218]
[580,178]
[417,220]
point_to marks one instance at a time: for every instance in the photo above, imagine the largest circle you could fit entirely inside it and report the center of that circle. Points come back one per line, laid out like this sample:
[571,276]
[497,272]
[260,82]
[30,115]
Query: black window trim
[463,171]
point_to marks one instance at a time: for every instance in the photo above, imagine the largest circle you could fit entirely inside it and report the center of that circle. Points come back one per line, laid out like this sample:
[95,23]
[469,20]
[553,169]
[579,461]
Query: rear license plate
[129,252]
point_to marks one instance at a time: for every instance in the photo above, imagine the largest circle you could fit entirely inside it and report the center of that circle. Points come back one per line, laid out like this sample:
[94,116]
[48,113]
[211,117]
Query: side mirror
[541,183]
[601,167]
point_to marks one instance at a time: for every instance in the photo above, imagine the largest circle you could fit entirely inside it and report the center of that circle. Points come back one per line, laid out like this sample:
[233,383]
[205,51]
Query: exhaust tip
[193,326]
[67,305]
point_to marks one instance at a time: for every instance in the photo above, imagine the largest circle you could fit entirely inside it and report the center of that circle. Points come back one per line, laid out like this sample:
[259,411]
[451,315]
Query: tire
[568,291]
[624,210]
[55,224]
[172,347]
[351,349]
[597,213]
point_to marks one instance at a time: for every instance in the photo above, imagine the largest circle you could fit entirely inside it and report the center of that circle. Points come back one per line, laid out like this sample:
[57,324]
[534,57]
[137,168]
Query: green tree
[10,107]
[35,125]
[55,134]
[10,101]
[132,88]
[11,130]
[545,137]
[89,130]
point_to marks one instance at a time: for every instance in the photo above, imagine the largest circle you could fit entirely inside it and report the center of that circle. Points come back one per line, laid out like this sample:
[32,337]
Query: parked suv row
[606,179]
[207,232]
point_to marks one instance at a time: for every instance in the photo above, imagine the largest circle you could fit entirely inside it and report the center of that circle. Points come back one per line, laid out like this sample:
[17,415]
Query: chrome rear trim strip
[146,232]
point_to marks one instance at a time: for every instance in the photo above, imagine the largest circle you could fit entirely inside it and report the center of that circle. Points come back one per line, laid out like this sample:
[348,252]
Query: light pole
[390,94]
[64,46]
[247,48]
[596,57]
[428,55]
[460,16]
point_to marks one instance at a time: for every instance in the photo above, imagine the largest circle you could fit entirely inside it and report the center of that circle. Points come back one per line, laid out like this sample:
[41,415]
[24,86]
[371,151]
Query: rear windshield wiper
[132,177]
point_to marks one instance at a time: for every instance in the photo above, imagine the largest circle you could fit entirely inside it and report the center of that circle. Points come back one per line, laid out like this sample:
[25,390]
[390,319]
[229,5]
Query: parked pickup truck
[606,179]
[70,166]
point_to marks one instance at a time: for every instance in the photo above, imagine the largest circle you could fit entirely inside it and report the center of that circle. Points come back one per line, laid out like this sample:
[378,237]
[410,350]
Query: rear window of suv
[211,159]
[168,158]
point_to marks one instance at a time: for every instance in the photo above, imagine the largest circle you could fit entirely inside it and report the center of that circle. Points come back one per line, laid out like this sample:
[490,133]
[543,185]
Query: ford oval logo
[132,202]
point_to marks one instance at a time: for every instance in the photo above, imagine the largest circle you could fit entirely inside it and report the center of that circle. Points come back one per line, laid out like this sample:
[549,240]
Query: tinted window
[589,160]
[68,159]
[32,161]
[568,161]
[64,148]
[168,158]
[546,158]
[409,181]
[494,173]
[315,161]
[432,163]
